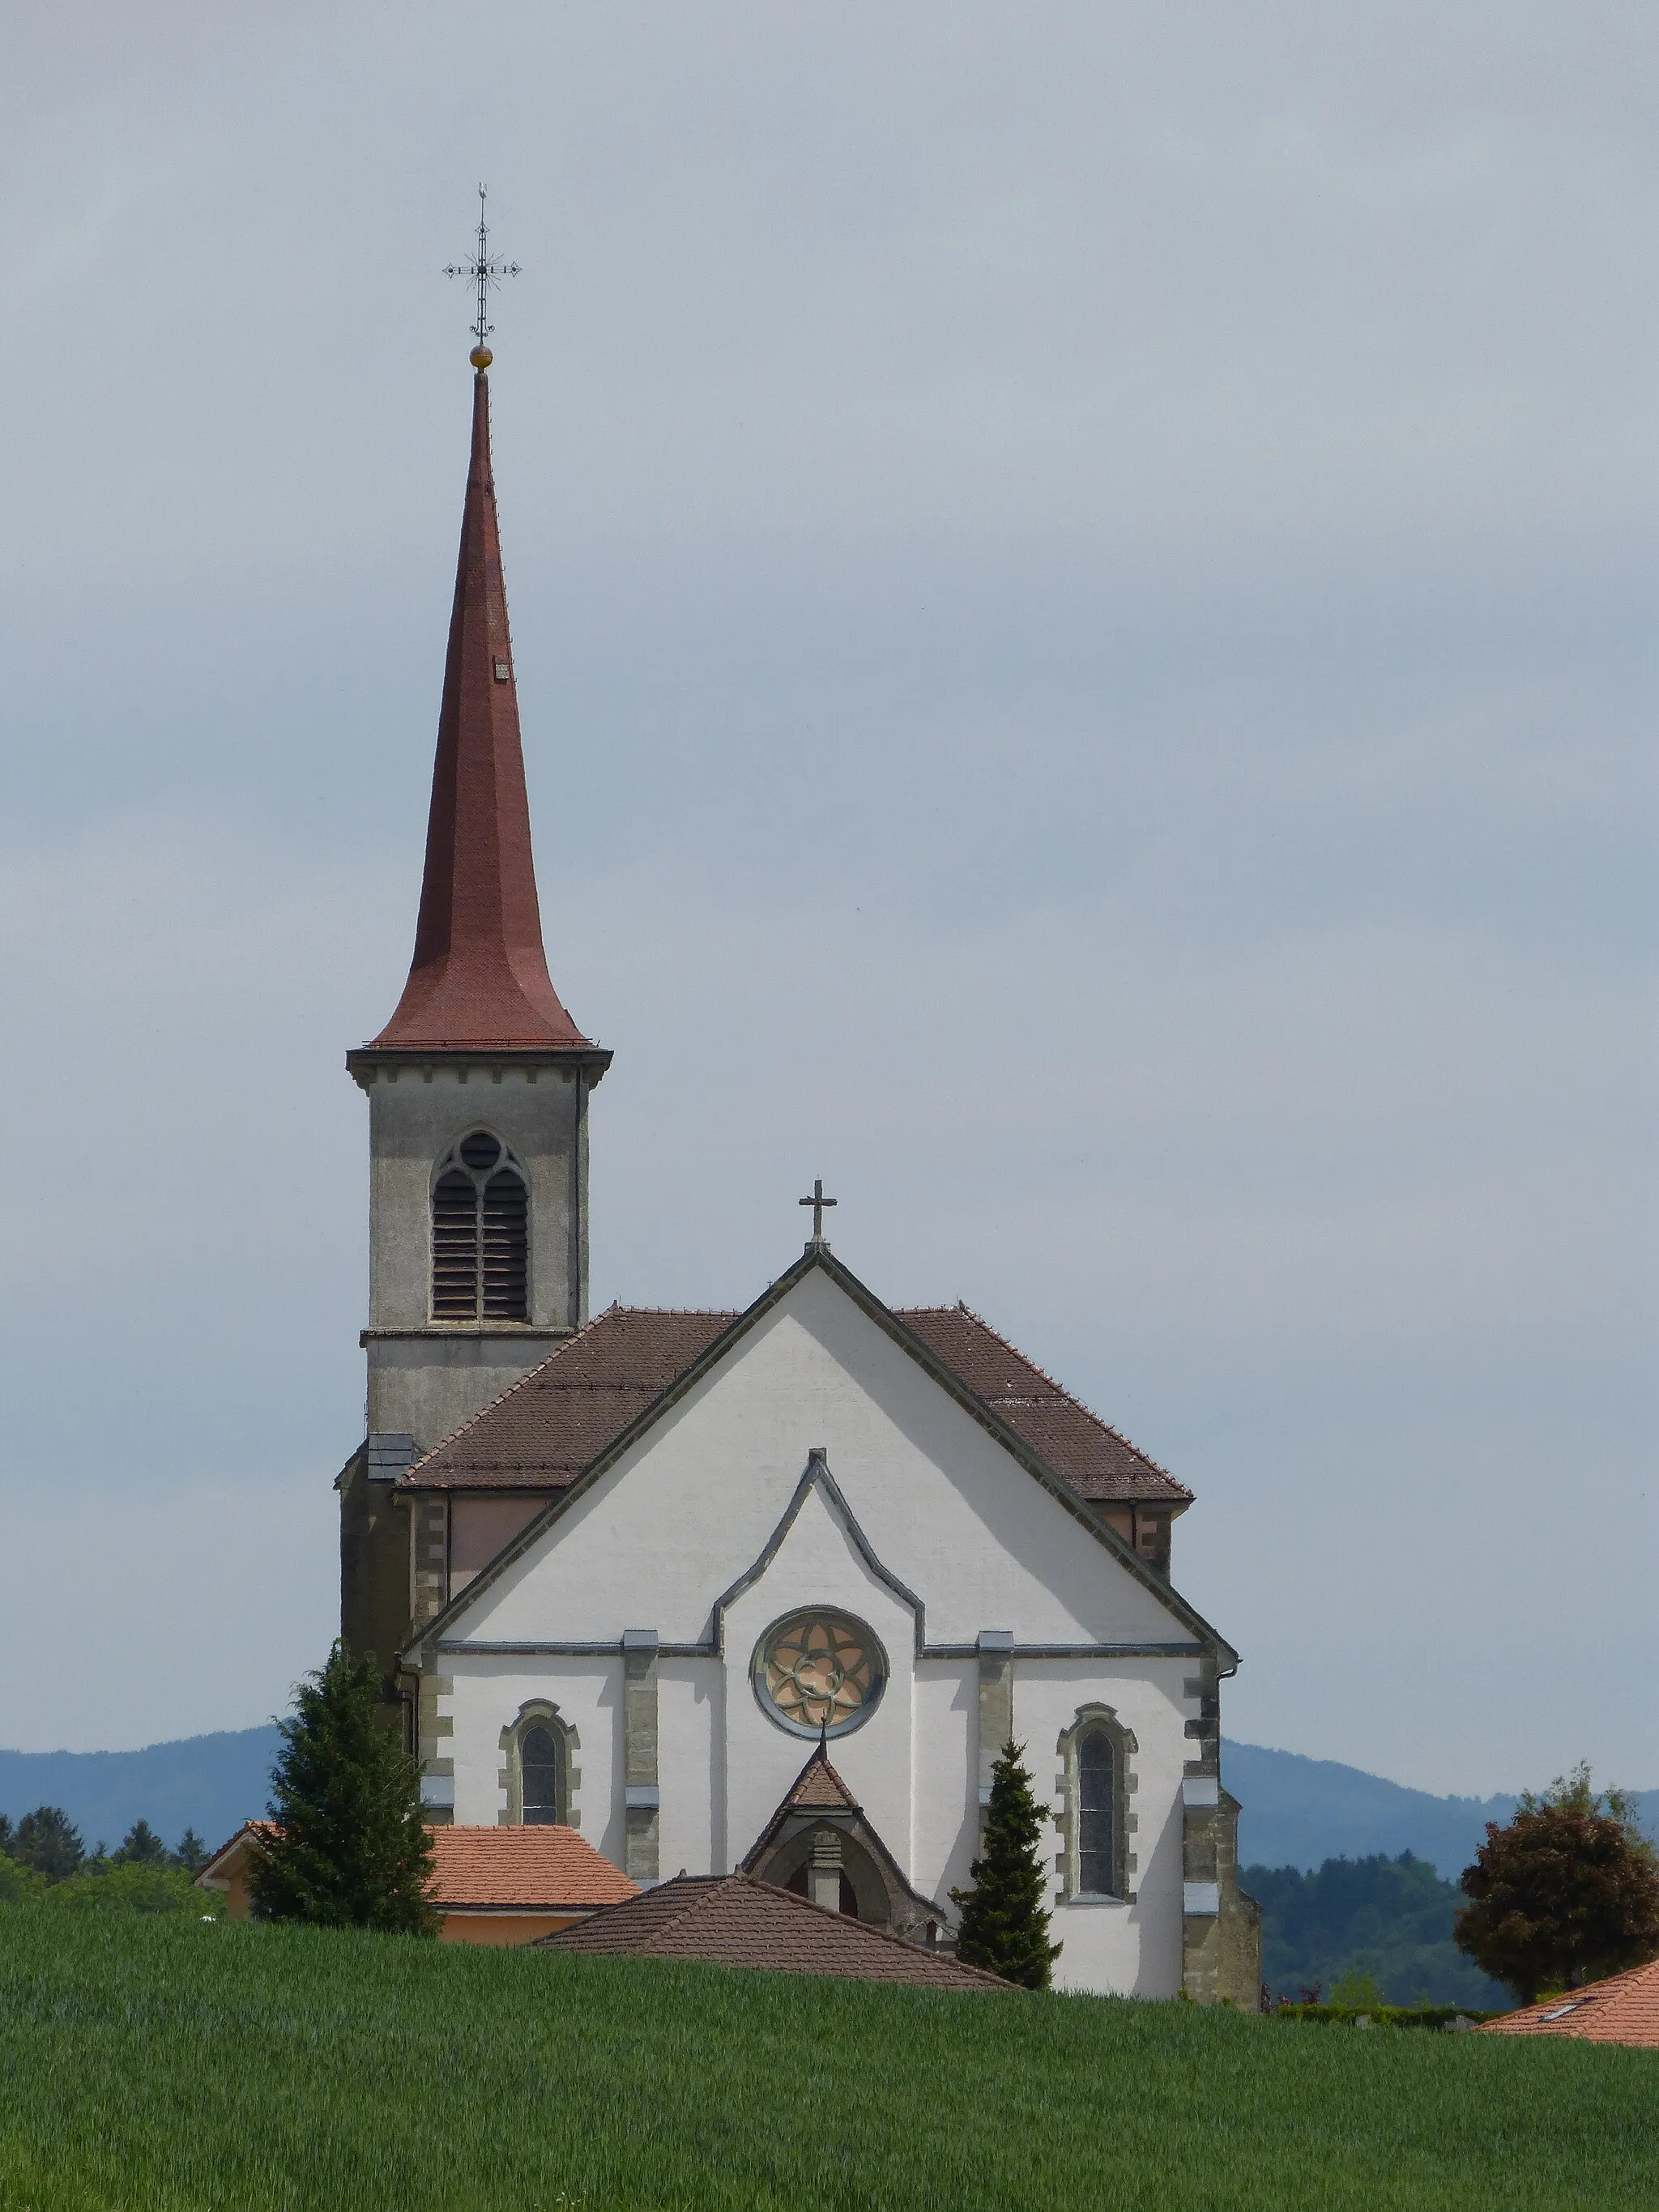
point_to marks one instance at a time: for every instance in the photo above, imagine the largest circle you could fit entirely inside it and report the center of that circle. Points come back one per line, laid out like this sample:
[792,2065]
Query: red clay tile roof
[1624,2009]
[732,1920]
[1094,1458]
[817,1789]
[479,975]
[539,1869]
[559,1417]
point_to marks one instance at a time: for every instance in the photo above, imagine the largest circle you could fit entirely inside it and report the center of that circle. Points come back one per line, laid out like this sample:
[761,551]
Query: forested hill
[1388,1918]
[1300,1812]
[208,1783]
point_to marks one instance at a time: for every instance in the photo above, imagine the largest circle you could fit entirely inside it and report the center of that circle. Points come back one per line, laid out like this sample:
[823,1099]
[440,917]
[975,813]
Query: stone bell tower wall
[427,1376]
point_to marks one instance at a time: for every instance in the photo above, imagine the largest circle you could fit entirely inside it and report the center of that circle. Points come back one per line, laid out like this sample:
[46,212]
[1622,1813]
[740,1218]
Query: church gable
[693,1490]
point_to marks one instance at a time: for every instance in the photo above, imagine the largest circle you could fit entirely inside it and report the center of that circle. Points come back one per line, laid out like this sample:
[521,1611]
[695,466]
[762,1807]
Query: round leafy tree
[348,1847]
[1567,1893]
[1005,1921]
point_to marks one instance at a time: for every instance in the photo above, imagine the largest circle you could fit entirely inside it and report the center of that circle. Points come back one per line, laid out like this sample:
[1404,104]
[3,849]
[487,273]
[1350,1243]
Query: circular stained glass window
[819,1671]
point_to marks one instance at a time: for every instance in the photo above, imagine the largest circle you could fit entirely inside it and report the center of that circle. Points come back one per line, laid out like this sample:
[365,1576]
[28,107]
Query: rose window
[819,1671]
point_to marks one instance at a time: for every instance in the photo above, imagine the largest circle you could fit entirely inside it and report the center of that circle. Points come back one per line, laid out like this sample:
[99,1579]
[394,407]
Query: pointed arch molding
[539,1712]
[817,1477]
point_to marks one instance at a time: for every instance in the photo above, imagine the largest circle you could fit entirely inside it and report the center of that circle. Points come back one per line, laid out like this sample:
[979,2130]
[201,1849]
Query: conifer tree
[49,1841]
[141,1846]
[1005,1921]
[191,1854]
[348,1848]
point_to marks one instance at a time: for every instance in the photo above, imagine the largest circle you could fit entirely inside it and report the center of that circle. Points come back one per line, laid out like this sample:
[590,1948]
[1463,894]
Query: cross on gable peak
[818,1201]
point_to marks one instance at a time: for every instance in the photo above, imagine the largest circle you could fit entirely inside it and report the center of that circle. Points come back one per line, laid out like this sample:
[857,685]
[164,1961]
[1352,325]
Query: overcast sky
[1083,586]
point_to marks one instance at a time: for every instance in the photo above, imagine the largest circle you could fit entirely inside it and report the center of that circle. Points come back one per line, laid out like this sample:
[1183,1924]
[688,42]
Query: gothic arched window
[1097,1814]
[538,1764]
[480,1234]
[1097,1782]
[540,1773]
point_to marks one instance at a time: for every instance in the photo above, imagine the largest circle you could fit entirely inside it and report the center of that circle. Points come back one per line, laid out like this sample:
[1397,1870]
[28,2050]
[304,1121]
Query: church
[765,1590]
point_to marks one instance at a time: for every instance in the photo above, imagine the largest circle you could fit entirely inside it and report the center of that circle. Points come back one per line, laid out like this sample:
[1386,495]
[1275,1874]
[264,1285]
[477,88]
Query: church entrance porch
[819,1844]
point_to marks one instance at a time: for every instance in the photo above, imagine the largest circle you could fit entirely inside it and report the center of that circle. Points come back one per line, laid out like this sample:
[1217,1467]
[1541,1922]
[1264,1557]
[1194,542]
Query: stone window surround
[539,1712]
[1086,1719]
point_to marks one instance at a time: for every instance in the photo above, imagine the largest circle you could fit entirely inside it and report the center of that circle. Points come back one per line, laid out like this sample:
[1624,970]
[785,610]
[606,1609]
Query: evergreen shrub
[1004,1921]
[348,1846]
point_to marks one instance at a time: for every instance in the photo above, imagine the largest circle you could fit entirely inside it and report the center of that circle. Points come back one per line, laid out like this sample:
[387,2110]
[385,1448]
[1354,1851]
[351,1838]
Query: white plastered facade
[817,1462]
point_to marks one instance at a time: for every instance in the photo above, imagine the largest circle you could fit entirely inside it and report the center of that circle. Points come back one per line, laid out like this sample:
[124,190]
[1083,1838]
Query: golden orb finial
[482,269]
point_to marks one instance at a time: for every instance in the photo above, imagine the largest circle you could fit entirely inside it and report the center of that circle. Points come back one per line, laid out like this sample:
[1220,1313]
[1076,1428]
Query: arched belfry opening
[480,1233]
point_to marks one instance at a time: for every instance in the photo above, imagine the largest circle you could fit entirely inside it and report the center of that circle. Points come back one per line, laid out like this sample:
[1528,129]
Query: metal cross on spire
[818,1202]
[485,268]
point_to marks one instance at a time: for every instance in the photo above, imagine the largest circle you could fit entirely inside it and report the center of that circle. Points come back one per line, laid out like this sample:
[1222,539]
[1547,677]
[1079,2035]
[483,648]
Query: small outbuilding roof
[535,1869]
[733,1920]
[532,1869]
[1623,2008]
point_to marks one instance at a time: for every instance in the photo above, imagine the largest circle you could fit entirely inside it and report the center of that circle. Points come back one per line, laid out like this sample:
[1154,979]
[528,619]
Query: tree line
[47,1843]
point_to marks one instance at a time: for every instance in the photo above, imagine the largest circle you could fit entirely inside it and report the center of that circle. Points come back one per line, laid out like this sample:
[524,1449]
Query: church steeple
[479,978]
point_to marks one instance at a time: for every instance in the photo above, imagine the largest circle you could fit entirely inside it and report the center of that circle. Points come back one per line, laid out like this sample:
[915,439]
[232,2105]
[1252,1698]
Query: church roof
[558,1419]
[819,1788]
[479,978]
[733,1920]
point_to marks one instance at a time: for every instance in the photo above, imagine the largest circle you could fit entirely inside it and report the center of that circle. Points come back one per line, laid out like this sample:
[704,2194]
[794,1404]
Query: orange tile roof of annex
[519,1869]
[1623,2008]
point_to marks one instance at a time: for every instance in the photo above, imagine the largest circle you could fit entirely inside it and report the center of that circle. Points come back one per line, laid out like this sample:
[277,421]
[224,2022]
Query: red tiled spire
[479,975]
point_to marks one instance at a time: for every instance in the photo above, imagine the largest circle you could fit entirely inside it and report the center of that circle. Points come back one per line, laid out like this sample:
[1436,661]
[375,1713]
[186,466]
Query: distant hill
[1298,1812]
[208,1783]
[1388,1918]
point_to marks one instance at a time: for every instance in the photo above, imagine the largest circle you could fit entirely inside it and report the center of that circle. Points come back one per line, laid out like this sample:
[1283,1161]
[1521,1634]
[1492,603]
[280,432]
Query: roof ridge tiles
[691,1313]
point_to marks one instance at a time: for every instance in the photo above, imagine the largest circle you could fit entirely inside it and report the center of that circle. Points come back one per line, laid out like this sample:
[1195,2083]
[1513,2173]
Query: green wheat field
[162,2063]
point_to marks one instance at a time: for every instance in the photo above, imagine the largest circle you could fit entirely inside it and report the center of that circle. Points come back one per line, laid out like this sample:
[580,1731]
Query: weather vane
[484,269]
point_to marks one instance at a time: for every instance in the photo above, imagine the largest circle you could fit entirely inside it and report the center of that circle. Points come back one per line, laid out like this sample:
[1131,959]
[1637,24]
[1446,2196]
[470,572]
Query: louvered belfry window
[480,1234]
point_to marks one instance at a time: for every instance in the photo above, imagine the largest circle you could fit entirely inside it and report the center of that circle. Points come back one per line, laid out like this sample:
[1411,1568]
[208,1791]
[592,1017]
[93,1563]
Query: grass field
[164,2065]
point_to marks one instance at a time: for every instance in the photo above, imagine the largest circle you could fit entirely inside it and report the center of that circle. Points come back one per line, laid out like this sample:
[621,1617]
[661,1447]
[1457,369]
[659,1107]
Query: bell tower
[478,1092]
